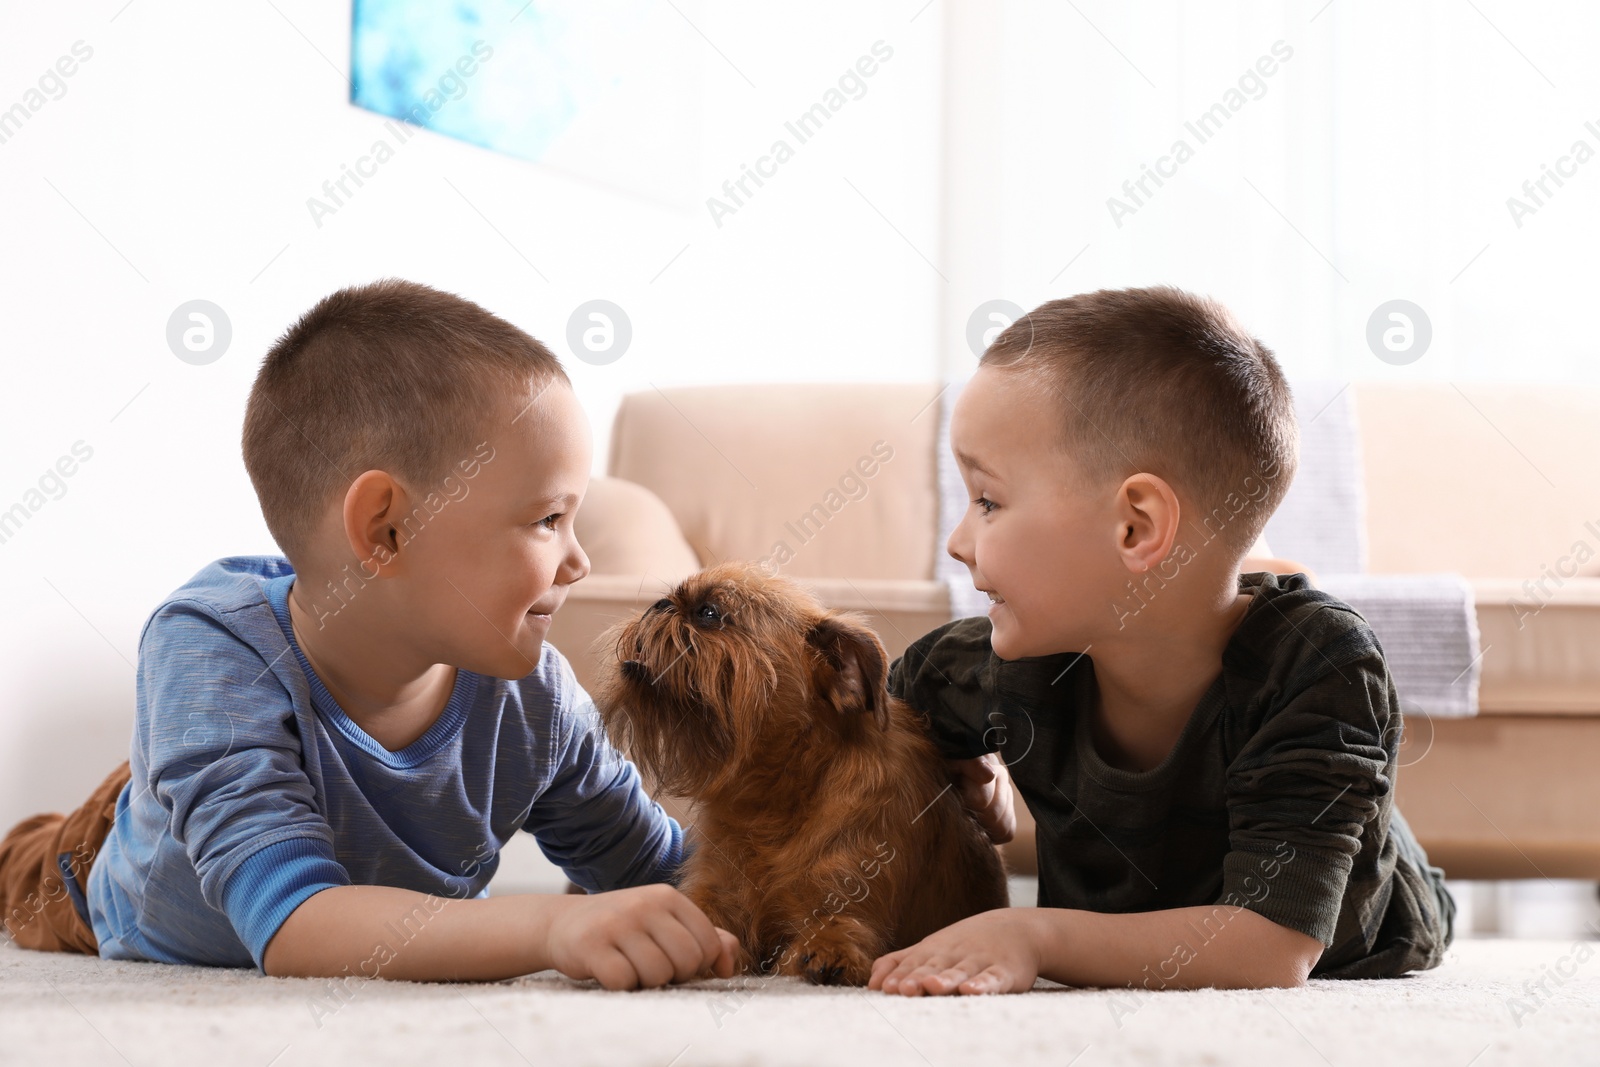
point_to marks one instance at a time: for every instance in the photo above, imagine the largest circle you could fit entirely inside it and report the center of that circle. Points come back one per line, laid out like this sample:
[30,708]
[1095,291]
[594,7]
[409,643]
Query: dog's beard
[656,712]
[678,742]
[689,709]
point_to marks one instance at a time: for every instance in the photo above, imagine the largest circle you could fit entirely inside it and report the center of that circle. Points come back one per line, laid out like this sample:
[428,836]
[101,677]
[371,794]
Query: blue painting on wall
[504,74]
[600,91]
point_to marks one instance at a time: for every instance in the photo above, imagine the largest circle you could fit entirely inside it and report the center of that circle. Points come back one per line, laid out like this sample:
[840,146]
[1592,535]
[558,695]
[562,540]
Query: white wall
[190,141]
[1376,164]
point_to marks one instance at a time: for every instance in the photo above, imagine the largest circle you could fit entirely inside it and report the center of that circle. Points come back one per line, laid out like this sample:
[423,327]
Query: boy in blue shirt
[332,746]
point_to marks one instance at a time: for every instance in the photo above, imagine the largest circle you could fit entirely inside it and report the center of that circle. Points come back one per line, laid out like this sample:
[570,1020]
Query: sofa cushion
[826,479]
[624,528]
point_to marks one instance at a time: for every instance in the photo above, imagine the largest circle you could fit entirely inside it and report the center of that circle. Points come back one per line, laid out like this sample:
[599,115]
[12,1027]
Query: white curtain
[1374,162]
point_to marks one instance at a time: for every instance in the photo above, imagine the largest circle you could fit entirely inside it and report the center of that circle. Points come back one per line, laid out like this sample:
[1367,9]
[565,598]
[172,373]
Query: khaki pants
[44,872]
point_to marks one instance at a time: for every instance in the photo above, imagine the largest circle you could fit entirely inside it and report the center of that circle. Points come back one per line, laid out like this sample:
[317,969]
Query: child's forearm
[1180,948]
[373,931]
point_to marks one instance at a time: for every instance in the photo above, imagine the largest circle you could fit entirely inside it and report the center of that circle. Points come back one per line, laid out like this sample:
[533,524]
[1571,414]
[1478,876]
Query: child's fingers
[916,981]
[977,770]
[935,978]
[953,978]
[992,810]
[906,977]
[882,966]
[977,796]
[890,982]
[992,979]
[694,920]
[686,952]
[727,954]
[888,979]
[945,980]
[889,959]
[612,969]
[991,802]
[652,966]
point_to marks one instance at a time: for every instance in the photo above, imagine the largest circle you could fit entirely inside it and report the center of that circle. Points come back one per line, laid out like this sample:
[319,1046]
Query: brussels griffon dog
[827,832]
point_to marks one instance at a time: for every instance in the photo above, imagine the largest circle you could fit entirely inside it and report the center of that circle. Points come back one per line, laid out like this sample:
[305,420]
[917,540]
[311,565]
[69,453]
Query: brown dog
[827,831]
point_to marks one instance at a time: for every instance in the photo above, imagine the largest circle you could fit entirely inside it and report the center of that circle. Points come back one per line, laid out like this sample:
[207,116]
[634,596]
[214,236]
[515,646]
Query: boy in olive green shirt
[1210,756]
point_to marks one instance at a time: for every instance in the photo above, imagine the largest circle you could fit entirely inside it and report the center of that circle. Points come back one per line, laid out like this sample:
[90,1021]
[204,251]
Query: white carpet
[60,1010]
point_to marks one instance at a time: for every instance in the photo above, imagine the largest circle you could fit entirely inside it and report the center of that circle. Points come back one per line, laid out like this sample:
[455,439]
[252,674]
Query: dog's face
[732,666]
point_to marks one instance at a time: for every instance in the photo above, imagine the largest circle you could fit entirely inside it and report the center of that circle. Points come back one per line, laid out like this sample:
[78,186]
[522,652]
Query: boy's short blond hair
[1165,382]
[392,376]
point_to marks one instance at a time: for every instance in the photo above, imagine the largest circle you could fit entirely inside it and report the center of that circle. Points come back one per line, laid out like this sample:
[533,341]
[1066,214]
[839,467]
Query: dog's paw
[769,961]
[832,965]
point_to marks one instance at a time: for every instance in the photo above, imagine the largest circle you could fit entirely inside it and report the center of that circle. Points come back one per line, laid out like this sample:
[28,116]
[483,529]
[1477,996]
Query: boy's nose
[579,561]
[956,545]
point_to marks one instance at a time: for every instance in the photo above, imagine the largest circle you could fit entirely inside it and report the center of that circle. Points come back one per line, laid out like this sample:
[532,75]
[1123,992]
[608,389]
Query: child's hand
[985,786]
[991,952]
[637,938]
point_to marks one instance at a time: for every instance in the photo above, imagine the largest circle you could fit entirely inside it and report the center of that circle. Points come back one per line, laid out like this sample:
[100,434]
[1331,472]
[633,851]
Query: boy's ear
[851,671]
[368,514]
[1147,513]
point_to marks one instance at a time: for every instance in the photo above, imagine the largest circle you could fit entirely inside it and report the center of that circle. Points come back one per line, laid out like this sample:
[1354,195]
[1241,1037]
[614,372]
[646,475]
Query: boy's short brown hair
[1165,382]
[392,376]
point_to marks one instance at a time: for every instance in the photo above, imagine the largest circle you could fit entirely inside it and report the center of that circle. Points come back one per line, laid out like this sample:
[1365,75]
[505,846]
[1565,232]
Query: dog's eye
[708,613]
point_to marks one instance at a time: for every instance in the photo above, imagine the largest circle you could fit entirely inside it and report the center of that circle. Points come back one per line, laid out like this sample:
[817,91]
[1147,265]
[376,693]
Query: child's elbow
[1278,957]
[286,954]
[1292,969]
[278,960]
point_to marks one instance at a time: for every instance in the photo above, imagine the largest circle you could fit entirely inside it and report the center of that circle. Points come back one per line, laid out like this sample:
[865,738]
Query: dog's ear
[852,673]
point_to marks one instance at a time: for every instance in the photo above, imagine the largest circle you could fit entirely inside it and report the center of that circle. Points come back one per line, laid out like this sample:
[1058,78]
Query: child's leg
[44,871]
[1445,916]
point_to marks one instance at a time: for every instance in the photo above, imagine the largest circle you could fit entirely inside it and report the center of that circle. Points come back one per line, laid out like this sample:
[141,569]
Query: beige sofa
[837,482]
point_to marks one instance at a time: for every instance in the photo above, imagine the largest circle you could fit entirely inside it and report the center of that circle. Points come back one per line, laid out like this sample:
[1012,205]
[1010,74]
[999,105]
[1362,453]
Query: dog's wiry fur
[826,833]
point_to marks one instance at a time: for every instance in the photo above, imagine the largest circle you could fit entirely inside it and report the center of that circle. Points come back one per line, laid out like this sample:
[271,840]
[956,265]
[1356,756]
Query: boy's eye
[548,522]
[985,503]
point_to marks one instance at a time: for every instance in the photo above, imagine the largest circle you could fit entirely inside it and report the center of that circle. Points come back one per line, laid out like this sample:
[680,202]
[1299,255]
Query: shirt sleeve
[946,676]
[224,761]
[1309,786]
[593,819]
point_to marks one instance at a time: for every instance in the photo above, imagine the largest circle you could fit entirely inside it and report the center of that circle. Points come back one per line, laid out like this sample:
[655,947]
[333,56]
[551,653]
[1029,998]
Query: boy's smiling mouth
[544,611]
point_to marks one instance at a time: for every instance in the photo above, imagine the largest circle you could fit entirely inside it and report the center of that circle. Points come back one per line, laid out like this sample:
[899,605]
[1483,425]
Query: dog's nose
[633,670]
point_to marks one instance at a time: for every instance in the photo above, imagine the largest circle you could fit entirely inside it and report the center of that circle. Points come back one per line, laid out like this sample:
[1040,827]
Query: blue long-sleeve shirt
[251,789]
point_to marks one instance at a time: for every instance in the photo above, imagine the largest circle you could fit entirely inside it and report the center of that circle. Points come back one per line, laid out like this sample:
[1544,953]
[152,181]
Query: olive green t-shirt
[1278,795]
